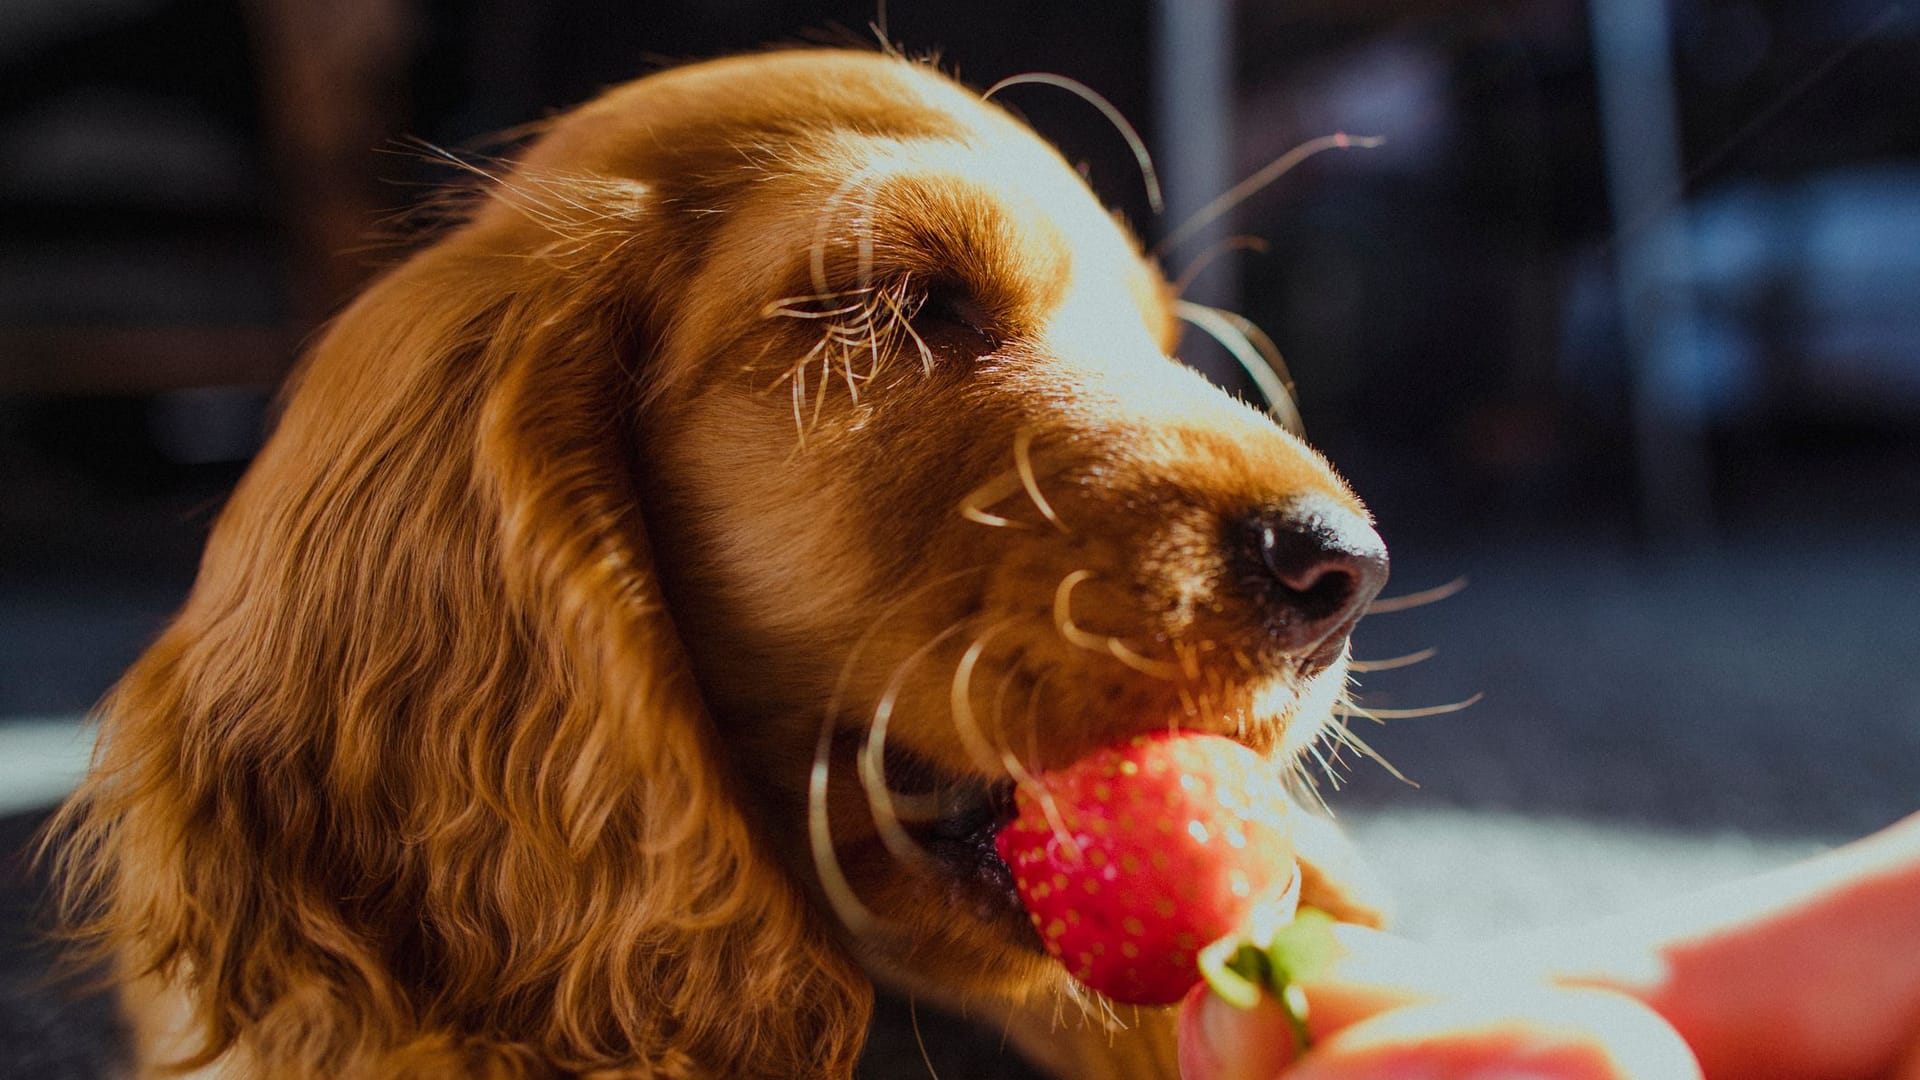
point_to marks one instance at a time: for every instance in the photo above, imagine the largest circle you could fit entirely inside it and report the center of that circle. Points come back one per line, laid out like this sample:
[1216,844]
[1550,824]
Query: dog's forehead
[781,164]
[676,120]
[850,119]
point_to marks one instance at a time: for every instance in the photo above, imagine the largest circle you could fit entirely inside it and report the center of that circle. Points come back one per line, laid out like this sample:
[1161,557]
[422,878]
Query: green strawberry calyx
[1275,959]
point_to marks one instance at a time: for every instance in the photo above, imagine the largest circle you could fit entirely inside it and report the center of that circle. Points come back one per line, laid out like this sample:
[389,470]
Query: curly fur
[485,745]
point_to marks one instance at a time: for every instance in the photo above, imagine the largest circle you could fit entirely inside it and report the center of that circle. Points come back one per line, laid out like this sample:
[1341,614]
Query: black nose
[1323,565]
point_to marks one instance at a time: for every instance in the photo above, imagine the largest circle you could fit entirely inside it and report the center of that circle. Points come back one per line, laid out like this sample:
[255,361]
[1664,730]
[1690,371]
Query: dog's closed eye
[953,322]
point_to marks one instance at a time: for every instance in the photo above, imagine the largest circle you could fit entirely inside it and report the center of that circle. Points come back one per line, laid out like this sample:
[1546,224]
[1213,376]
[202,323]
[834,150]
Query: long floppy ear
[419,781]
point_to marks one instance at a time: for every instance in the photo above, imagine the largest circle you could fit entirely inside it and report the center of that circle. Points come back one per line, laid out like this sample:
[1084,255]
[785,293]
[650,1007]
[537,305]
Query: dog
[624,648]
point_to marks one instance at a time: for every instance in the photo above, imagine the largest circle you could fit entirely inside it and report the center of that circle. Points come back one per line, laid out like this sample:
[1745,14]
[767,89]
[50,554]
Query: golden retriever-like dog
[623,650]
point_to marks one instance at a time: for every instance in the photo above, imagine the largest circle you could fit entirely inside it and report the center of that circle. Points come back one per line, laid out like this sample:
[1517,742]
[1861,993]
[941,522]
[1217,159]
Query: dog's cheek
[765,543]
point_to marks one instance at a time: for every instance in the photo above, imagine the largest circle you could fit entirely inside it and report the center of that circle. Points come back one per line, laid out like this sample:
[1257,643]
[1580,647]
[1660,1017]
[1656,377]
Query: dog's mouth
[961,839]
[954,820]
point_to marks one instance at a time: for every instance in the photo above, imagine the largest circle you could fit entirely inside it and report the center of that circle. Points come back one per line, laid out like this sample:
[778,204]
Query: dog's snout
[1323,564]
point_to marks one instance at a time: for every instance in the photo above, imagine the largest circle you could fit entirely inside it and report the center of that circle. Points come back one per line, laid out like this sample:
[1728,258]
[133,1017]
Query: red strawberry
[1133,859]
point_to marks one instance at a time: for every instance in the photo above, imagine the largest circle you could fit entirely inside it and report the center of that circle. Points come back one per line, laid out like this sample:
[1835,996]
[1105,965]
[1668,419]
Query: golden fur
[778,418]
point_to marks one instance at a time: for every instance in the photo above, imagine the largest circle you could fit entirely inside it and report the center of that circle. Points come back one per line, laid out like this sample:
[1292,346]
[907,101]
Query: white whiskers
[1390,604]
[1393,662]
[1254,351]
[847,907]
[1377,714]
[1103,643]
[873,769]
[1252,185]
[1086,93]
[1023,462]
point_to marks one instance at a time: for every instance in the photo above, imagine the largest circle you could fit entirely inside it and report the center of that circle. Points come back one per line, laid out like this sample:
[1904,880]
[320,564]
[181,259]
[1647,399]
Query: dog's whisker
[917,807]
[1072,993]
[927,1059]
[1063,614]
[1389,604]
[999,715]
[817,253]
[1252,185]
[1256,354]
[960,697]
[1377,714]
[994,520]
[864,244]
[872,768]
[1211,255]
[1301,782]
[1346,735]
[1031,784]
[847,907]
[1023,463]
[1040,793]
[1159,669]
[1188,706]
[1326,767]
[845,678]
[853,914]
[1086,93]
[1392,662]
[988,494]
[1189,658]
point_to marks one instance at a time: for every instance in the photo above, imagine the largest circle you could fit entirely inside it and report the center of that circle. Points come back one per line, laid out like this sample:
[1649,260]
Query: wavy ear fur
[419,782]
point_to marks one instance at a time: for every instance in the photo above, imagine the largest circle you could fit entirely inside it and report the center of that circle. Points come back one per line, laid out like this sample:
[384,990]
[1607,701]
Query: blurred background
[1620,325]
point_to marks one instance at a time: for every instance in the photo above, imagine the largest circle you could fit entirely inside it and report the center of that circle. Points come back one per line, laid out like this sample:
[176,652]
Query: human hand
[1810,973]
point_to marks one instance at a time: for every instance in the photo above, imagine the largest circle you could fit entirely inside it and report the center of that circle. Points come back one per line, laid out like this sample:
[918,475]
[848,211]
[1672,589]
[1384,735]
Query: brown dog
[624,647]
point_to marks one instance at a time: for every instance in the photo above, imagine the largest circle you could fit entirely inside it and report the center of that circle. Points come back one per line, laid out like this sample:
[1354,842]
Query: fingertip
[1550,1035]
[1219,1041]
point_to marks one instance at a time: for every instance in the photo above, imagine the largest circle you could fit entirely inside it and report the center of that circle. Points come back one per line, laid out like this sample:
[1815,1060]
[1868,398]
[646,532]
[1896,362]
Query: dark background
[1685,493]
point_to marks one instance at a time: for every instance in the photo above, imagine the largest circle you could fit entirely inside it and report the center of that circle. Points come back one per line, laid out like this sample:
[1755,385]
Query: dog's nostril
[1323,565]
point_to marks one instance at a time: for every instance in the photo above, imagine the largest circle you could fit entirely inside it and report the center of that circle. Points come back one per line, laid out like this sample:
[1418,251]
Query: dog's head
[655,587]
[932,503]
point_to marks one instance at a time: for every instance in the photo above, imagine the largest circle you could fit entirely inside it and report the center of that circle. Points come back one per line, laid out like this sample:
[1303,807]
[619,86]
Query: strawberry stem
[1239,970]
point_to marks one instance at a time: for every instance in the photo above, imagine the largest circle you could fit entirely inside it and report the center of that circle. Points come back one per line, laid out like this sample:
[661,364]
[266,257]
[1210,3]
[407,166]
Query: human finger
[1549,1034]
[1807,971]
[1374,973]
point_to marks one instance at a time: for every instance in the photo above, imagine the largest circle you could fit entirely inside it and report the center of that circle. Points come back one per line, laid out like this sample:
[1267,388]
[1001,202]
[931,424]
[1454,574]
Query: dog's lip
[960,844]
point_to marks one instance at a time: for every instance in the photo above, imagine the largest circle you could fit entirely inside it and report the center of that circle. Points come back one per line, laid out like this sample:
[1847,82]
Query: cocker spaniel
[623,650]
